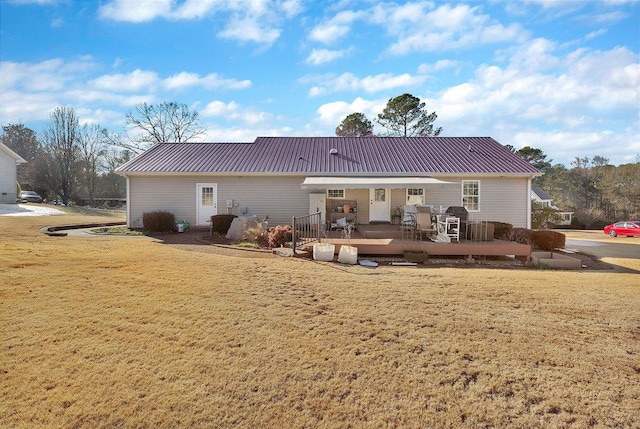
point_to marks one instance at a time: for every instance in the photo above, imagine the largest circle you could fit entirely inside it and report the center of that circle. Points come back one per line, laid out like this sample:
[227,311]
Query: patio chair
[424,226]
[408,225]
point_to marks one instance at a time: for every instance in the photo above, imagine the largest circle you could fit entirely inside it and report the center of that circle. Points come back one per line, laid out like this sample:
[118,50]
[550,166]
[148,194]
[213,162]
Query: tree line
[73,162]
[598,193]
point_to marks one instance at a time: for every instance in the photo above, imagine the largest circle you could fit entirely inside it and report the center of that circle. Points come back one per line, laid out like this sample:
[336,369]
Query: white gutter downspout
[529,203]
[128,201]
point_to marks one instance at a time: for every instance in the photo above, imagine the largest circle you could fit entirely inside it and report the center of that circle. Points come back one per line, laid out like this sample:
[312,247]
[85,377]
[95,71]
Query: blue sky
[561,76]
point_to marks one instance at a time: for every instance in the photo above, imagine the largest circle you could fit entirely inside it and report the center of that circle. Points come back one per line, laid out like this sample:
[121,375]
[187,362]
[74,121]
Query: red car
[628,228]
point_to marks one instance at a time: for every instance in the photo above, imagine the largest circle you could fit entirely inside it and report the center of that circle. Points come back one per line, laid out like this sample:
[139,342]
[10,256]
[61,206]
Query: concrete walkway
[32,209]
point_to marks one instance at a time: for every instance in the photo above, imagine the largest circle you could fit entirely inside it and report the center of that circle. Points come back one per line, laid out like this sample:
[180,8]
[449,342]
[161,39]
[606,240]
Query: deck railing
[306,229]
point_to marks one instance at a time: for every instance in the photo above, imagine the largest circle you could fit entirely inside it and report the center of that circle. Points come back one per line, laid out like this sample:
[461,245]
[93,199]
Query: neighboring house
[281,177]
[8,174]
[540,196]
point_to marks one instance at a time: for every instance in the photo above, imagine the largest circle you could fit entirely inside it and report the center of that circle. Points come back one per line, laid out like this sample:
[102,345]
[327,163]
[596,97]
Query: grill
[459,212]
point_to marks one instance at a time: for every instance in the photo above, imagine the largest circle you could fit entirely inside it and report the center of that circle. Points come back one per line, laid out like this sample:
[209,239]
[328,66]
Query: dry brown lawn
[130,332]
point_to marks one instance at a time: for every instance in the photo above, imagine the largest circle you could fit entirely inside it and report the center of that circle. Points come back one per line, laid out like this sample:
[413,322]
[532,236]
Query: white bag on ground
[348,255]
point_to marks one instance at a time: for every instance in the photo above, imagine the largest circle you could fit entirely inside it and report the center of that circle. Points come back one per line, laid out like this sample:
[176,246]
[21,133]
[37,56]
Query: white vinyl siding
[280,198]
[7,179]
[505,200]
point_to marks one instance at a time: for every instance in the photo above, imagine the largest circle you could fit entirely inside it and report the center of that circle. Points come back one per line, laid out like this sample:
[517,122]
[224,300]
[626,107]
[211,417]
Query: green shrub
[278,235]
[502,231]
[547,240]
[521,235]
[222,222]
[543,217]
[158,221]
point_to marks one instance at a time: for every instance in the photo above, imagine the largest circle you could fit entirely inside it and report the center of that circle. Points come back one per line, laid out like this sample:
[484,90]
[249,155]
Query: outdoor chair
[424,226]
[408,225]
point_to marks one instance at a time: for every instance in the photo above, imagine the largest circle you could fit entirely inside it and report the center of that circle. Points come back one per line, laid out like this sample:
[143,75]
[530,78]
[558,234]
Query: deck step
[372,234]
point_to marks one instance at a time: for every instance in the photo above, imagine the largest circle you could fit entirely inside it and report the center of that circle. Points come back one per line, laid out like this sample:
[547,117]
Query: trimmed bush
[158,221]
[222,222]
[502,231]
[278,235]
[547,240]
[521,235]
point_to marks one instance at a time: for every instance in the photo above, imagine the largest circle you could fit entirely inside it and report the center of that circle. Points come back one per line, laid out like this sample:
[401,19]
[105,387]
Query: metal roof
[541,193]
[334,156]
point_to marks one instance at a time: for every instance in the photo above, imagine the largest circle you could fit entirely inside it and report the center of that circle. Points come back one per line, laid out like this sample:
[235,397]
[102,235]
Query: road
[621,252]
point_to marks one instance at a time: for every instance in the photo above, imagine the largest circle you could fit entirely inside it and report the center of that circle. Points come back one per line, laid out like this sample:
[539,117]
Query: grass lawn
[130,332]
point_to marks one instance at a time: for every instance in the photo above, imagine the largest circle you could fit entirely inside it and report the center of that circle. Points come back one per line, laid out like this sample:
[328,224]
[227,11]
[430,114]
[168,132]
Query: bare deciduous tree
[164,122]
[92,144]
[61,143]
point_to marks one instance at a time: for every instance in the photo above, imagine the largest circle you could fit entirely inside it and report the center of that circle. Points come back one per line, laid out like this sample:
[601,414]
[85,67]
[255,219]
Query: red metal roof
[354,156]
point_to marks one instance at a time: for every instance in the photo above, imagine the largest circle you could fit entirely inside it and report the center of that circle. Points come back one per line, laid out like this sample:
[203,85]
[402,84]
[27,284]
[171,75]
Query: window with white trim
[471,195]
[335,193]
[415,196]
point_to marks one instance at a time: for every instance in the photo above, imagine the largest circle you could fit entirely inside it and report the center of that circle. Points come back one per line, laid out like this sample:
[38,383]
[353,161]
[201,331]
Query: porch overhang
[330,182]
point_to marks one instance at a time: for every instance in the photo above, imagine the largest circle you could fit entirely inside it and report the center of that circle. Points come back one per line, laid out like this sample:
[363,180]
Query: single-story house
[541,197]
[281,177]
[8,174]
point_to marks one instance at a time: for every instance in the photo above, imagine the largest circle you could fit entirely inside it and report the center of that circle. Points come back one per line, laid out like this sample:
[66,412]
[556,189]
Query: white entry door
[207,202]
[379,205]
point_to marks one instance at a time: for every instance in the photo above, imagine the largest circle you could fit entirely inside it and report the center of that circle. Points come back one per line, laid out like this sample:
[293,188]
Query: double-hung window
[415,196]
[471,195]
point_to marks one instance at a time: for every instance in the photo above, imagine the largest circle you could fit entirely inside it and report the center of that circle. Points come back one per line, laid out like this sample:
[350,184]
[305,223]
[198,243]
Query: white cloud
[137,80]
[450,27]
[195,9]
[40,2]
[439,66]
[291,8]
[219,108]
[48,75]
[246,21]
[217,133]
[331,31]
[233,112]
[595,34]
[29,91]
[349,82]
[210,81]
[331,114]
[323,56]
[573,95]
[249,29]
[140,80]
[135,11]
[328,33]
[566,146]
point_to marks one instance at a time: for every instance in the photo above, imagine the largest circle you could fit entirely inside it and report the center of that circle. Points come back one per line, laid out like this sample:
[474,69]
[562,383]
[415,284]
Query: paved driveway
[621,252]
[28,210]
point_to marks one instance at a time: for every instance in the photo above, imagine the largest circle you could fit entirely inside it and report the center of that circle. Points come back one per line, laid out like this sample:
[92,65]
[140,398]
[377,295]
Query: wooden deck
[385,239]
